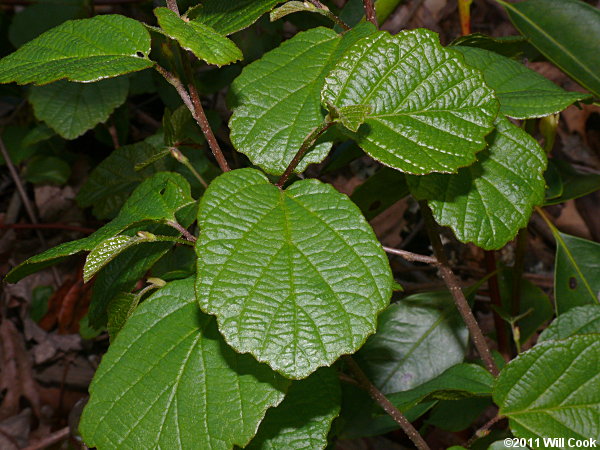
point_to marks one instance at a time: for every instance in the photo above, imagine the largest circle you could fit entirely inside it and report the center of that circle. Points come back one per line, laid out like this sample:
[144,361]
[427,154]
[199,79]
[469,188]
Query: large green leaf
[111,182]
[578,320]
[157,199]
[566,32]
[73,108]
[276,98]
[295,277]
[553,390]
[522,93]
[458,382]
[303,419]
[169,379]
[429,111]
[200,39]
[576,280]
[490,201]
[232,15]
[80,50]
[417,339]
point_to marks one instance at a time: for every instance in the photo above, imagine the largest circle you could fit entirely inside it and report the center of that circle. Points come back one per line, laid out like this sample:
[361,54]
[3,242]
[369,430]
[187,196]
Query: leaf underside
[295,277]
[80,50]
[429,111]
[488,202]
[170,378]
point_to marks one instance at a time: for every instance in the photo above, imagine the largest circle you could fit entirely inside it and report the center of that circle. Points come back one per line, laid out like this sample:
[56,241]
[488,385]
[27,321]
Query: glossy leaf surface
[303,419]
[232,15]
[191,388]
[429,111]
[276,99]
[295,277]
[490,201]
[522,93]
[576,280]
[420,324]
[73,108]
[199,38]
[566,32]
[80,50]
[578,320]
[553,389]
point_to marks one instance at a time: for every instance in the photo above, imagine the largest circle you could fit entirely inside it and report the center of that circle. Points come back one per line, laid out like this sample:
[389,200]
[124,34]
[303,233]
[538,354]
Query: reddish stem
[494,288]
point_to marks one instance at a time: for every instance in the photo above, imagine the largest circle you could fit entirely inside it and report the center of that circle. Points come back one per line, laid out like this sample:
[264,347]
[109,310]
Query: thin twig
[414,257]
[494,290]
[484,430]
[306,145]
[457,294]
[172,5]
[518,269]
[202,120]
[26,202]
[370,12]
[343,25]
[185,233]
[51,439]
[387,406]
[178,85]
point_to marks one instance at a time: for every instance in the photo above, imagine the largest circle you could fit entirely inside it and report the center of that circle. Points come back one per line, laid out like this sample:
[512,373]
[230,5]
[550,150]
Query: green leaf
[171,378]
[534,306]
[42,16]
[73,108]
[232,15]
[293,7]
[574,184]
[111,182]
[522,93]
[109,249]
[155,200]
[303,419]
[200,39]
[430,112]
[120,308]
[544,23]
[80,50]
[457,415]
[384,188]
[490,201]
[295,277]
[276,99]
[576,280]
[351,116]
[553,390]
[509,46]
[457,382]
[48,169]
[417,339]
[578,320]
